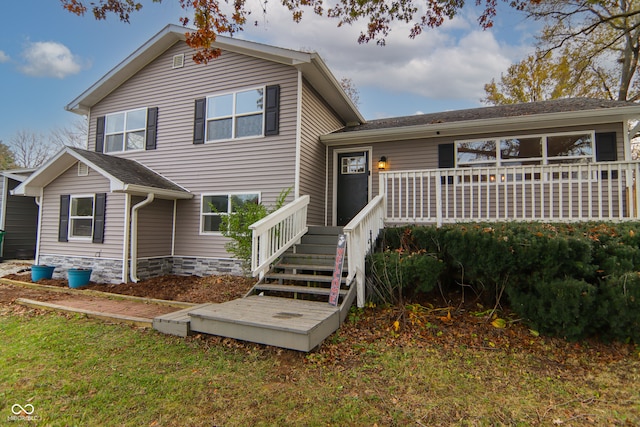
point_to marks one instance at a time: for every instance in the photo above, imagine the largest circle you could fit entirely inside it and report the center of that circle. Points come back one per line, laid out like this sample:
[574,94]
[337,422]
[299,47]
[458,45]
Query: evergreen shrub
[570,280]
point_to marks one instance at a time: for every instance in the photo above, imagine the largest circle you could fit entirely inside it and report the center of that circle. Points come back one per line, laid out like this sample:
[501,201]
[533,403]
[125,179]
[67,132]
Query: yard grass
[78,371]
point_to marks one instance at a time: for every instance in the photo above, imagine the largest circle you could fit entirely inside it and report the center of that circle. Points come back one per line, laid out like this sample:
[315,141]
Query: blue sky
[49,56]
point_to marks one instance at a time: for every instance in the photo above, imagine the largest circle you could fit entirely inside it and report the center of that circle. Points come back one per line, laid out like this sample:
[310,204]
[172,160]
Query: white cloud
[451,62]
[3,57]
[49,59]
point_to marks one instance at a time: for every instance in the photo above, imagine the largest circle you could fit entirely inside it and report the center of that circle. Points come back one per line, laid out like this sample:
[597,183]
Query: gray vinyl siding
[155,228]
[423,153]
[265,165]
[317,119]
[70,183]
[20,222]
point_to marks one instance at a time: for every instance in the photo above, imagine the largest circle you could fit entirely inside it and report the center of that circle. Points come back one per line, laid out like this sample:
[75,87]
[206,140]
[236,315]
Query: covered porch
[563,192]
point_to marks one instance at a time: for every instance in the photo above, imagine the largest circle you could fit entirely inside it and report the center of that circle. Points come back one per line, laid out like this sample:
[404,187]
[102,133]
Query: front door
[353,185]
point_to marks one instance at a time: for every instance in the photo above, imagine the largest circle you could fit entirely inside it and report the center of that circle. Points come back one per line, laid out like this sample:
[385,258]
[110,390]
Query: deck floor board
[269,312]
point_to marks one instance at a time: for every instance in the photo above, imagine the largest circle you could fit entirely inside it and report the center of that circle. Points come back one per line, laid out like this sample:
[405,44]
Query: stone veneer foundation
[110,270]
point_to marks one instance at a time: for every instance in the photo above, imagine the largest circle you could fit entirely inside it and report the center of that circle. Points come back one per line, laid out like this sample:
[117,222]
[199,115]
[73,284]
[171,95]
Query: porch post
[439,178]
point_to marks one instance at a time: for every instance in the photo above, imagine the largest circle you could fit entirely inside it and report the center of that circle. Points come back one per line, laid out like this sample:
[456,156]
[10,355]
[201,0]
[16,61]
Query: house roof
[125,175]
[18,174]
[513,117]
[311,65]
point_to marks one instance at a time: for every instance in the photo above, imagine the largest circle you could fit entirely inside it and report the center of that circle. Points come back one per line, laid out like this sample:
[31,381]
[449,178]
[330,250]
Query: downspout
[38,200]
[127,237]
[134,236]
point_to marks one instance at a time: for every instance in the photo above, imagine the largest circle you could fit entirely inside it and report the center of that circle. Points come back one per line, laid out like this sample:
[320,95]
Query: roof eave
[324,82]
[481,126]
[140,190]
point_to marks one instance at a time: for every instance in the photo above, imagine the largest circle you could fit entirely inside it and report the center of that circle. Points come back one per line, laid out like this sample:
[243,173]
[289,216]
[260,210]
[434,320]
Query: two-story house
[169,139]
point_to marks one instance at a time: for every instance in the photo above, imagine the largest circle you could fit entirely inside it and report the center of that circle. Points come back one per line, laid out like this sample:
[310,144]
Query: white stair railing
[362,232]
[277,232]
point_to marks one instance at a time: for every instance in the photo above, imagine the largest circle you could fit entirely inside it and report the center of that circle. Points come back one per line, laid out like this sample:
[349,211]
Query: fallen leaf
[499,323]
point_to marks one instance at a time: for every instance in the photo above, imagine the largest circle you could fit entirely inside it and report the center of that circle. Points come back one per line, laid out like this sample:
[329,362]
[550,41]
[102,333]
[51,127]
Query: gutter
[133,275]
[492,125]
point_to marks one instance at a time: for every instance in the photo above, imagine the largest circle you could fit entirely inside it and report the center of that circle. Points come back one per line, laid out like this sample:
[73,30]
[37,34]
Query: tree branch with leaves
[214,17]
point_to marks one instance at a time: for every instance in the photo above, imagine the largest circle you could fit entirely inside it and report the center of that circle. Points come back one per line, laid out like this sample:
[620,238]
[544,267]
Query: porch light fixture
[382,163]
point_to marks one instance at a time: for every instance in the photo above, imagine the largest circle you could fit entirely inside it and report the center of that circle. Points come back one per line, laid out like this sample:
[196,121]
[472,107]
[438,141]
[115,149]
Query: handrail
[362,232]
[277,232]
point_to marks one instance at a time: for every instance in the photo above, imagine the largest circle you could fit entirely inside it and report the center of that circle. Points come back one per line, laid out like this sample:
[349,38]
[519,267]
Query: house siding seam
[264,164]
[317,119]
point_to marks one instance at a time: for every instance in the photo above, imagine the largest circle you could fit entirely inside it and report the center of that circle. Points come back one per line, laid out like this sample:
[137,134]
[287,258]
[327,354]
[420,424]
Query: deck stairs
[289,307]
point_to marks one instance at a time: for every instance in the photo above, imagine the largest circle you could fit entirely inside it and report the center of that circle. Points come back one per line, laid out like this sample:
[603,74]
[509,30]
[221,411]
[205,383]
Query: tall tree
[30,149]
[604,34]
[540,77]
[6,157]
[210,17]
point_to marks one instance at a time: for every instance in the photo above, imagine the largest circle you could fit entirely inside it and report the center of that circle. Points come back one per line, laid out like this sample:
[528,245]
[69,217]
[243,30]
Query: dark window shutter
[606,147]
[199,120]
[98,217]
[152,128]
[63,229]
[272,110]
[100,122]
[446,155]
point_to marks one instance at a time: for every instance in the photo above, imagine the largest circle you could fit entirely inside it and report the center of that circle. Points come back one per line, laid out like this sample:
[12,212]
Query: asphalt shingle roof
[495,112]
[128,171]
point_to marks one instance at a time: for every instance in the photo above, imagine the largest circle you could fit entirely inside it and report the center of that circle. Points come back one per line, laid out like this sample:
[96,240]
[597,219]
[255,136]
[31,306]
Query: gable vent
[83,170]
[178,61]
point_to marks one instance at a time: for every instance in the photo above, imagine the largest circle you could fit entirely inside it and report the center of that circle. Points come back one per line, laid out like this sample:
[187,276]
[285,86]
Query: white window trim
[233,115]
[544,160]
[229,195]
[125,131]
[70,237]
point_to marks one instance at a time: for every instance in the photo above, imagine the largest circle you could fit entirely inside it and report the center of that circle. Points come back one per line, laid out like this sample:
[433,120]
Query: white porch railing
[277,232]
[570,192]
[362,232]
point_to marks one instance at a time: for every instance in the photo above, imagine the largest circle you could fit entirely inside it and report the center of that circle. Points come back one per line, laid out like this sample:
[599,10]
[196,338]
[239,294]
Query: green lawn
[77,371]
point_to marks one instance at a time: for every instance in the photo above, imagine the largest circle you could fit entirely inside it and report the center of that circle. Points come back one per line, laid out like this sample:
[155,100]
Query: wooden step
[319,239]
[316,230]
[282,322]
[316,249]
[304,267]
[320,259]
[311,290]
[302,277]
[175,323]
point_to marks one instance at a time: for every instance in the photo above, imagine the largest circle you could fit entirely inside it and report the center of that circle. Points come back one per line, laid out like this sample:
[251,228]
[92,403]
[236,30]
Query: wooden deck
[282,322]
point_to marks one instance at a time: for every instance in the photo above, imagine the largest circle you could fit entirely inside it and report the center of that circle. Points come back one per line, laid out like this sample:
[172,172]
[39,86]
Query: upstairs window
[125,131]
[216,205]
[235,115]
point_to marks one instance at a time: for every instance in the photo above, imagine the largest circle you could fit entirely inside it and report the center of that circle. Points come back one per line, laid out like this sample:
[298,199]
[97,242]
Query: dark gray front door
[353,185]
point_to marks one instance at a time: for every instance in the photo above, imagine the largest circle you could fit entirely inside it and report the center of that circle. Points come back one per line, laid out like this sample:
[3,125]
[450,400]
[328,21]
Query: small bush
[397,275]
[562,307]
[618,308]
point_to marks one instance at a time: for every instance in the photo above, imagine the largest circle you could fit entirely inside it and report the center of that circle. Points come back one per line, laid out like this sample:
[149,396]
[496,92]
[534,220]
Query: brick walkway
[119,307]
